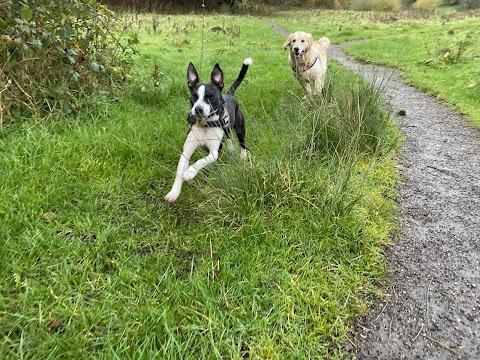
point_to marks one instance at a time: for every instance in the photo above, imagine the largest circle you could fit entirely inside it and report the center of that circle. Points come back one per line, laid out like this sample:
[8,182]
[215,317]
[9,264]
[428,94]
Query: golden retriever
[308,59]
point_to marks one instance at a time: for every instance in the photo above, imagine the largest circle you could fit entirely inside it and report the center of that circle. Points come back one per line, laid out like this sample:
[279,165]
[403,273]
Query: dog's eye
[294,40]
[303,40]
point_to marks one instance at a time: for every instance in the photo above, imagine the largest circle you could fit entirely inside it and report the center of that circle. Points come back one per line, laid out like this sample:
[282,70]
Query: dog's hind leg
[230,145]
[240,132]
[228,140]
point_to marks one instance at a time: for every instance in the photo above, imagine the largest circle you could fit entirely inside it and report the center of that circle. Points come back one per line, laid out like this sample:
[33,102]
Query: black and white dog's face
[206,99]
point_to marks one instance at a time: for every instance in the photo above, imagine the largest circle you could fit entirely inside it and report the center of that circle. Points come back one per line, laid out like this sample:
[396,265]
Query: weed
[448,53]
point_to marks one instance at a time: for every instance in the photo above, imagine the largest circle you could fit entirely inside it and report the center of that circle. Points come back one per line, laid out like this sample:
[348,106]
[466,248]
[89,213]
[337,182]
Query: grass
[436,52]
[274,257]
[436,65]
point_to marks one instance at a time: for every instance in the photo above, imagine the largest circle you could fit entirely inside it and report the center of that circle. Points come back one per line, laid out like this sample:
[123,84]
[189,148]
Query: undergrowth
[54,55]
[274,257]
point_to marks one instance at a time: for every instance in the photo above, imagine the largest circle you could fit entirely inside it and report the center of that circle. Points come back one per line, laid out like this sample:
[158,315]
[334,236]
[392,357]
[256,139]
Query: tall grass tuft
[352,119]
[315,161]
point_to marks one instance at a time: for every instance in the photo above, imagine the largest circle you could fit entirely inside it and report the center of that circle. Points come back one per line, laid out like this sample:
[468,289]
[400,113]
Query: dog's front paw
[190,173]
[172,195]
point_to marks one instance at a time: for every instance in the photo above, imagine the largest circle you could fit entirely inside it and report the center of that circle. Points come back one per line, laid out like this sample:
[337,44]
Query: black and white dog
[212,116]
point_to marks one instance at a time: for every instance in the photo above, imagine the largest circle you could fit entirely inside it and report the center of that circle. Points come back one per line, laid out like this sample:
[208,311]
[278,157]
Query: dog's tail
[241,76]
[325,42]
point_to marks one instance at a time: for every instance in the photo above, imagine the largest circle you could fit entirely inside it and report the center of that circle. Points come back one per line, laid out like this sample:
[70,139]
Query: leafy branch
[55,53]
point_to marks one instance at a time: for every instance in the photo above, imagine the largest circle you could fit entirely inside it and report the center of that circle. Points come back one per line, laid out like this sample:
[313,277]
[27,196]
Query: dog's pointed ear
[217,76]
[287,43]
[192,76]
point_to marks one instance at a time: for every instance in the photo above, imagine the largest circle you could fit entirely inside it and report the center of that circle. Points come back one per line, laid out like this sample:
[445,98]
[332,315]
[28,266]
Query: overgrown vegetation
[270,258]
[318,164]
[356,122]
[375,5]
[274,257]
[54,54]
[448,51]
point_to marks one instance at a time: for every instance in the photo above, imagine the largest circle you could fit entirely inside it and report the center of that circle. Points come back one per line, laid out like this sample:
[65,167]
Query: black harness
[223,119]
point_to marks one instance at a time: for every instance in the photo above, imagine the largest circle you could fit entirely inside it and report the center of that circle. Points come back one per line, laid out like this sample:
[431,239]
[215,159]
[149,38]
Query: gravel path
[433,307]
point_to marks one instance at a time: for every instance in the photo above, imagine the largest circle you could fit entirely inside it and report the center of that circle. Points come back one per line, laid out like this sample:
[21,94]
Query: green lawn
[274,257]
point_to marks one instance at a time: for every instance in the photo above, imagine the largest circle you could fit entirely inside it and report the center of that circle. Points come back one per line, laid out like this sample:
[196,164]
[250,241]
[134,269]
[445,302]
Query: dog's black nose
[199,111]
[296,49]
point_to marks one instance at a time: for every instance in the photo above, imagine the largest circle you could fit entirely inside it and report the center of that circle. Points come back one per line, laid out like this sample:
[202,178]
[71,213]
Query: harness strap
[223,120]
[308,67]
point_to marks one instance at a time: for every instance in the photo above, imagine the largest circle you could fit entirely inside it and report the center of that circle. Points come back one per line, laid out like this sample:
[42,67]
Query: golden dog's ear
[310,40]
[287,43]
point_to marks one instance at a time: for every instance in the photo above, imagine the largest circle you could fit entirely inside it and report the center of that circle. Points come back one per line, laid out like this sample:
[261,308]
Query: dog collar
[308,67]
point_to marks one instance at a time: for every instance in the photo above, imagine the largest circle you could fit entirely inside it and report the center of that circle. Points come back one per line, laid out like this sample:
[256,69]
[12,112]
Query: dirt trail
[433,307]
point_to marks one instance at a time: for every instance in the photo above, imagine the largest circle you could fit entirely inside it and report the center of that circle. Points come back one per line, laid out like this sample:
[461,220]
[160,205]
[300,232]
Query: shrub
[53,53]
[361,5]
[375,5]
[386,5]
[470,4]
[317,156]
[426,4]
[450,51]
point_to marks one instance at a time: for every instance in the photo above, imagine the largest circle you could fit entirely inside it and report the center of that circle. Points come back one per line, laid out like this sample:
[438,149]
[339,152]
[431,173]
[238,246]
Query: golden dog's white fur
[308,59]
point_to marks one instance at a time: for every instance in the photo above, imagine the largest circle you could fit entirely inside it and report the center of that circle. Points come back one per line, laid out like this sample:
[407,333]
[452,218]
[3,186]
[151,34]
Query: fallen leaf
[54,324]
[49,215]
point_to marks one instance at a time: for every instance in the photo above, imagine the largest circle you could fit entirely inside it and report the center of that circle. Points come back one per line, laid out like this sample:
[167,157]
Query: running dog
[212,116]
[308,59]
